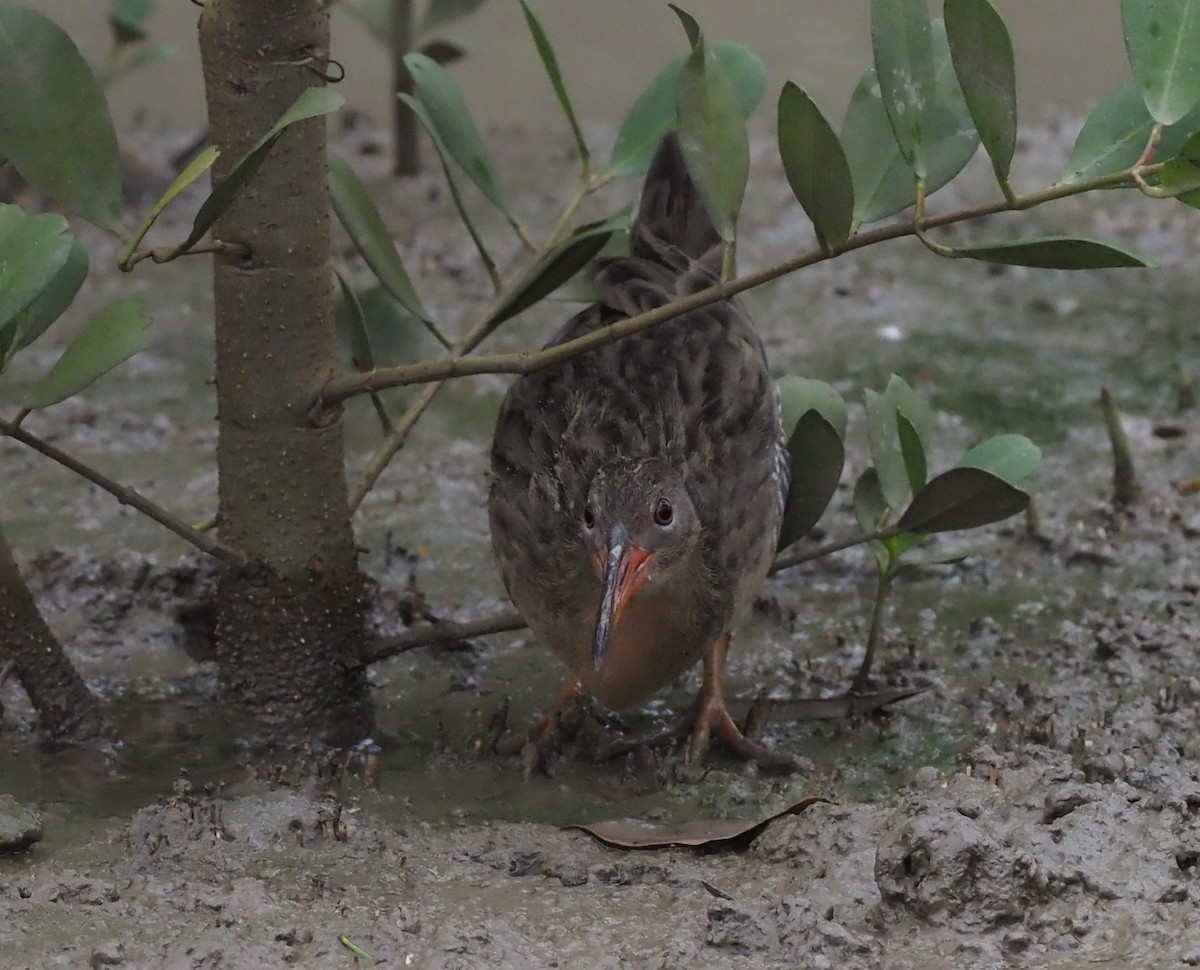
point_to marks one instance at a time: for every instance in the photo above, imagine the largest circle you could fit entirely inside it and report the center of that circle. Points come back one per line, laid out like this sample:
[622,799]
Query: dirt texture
[1037,806]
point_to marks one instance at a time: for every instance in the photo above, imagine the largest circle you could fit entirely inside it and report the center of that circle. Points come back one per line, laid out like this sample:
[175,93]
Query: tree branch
[125,495]
[525,362]
[434,633]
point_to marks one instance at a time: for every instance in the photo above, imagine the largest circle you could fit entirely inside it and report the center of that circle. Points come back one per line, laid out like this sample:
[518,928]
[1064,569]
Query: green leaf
[912,450]
[653,114]
[557,265]
[962,498]
[1181,174]
[113,335]
[312,103]
[899,455]
[443,11]
[194,169]
[1162,39]
[883,181]
[128,19]
[361,354]
[982,54]
[1113,136]
[1012,457]
[376,330]
[901,543]
[817,457]
[869,504]
[53,301]
[450,117]
[33,250]
[443,154]
[800,394]
[906,401]
[885,450]
[815,166]
[1056,252]
[904,66]
[550,62]
[55,128]
[712,132]
[362,222]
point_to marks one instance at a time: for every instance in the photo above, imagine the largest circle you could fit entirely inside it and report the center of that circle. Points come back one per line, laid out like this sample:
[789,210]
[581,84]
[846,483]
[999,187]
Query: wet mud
[1037,805]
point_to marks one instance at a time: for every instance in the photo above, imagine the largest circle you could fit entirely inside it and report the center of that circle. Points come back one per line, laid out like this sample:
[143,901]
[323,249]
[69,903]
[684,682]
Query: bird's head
[640,525]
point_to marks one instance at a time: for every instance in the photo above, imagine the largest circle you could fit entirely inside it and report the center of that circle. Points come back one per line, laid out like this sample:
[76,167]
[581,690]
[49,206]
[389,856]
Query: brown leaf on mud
[706,833]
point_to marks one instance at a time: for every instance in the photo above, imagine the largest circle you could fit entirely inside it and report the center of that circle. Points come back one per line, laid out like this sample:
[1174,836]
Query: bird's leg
[709,716]
[562,722]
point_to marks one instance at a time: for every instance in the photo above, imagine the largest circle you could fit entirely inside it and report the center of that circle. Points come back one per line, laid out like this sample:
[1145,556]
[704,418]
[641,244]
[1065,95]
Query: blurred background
[1069,54]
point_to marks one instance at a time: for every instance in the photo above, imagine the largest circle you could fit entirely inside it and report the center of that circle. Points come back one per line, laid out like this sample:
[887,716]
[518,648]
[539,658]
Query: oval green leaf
[982,54]
[1112,138]
[885,449]
[55,128]
[1056,252]
[55,298]
[1012,457]
[817,457]
[1181,174]
[712,132]
[1162,39]
[869,504]
[815,166]
[113,335]
[33,250]
[906,401]
[449,115]
[653,114]
[912,450]
[883,181]
[362,222]
[904,66]
[800,394]
[962,498]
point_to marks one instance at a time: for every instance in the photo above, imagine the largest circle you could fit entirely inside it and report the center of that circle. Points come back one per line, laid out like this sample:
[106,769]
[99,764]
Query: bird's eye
[589,516]
[664,512]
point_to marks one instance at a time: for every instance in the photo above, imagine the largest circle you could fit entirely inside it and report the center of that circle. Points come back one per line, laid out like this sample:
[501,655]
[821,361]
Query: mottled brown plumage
[587,453]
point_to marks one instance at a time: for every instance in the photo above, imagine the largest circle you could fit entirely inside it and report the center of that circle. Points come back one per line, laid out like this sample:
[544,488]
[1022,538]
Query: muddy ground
[1037,806]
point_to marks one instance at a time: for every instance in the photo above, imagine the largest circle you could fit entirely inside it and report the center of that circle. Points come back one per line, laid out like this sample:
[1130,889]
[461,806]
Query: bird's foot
[543,742]
[709,717]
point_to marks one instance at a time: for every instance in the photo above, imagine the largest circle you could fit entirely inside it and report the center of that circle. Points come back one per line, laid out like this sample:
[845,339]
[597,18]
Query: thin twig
[125,495]
[525,362]
[434,633]
[167,254]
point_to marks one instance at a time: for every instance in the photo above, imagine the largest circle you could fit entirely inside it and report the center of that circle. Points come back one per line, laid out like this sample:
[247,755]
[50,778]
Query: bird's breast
[656,638]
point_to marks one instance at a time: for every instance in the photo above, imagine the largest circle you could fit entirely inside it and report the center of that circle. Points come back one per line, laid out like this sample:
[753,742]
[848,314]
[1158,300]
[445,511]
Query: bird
[637,489]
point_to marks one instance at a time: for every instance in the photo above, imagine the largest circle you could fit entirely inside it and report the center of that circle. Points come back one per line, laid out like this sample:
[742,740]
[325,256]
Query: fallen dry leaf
[707,833]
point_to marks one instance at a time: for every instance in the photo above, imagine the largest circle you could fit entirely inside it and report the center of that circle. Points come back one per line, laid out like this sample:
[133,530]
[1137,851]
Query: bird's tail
[672,225]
